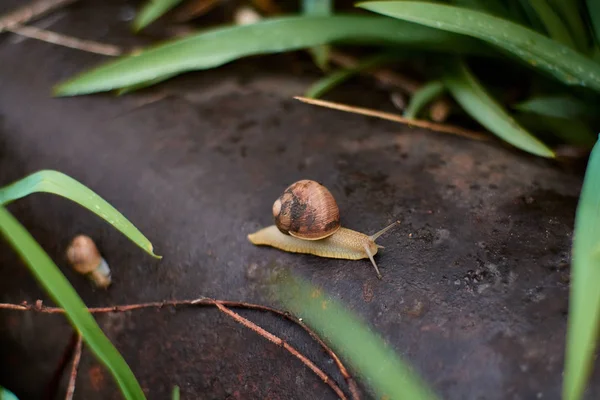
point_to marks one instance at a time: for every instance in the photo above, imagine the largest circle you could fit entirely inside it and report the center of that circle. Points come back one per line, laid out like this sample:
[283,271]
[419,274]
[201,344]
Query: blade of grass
[570,12]
[143,85]
[584,302]
[320,53]
[533,19]
[562,106]
[151,11]
[49,276]
[218,46]
[332,80]
[560,61]
[422,97]
[390,377]
[495,7]
[175,394]
[573,131]
[57,183]
[474,99]
[6,394]
[593,8]
[551,20]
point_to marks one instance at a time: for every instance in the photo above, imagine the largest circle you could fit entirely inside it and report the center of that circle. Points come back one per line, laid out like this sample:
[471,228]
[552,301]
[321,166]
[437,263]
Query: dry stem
[74,368]
[280,342]
[30,11]
[66,41]
[434,126]
[39,307]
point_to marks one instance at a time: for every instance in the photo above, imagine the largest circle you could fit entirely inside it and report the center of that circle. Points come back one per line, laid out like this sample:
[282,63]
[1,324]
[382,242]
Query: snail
[307,220]
[84,257]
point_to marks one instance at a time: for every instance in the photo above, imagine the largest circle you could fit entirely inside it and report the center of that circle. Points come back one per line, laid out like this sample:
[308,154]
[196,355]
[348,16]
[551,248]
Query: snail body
[307,221]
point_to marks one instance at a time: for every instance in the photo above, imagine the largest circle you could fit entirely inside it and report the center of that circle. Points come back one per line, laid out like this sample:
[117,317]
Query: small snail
[86,260]
[307,220]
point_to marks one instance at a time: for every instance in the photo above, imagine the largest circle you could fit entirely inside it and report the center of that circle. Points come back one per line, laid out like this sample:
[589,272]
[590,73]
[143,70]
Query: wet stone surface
[475,279]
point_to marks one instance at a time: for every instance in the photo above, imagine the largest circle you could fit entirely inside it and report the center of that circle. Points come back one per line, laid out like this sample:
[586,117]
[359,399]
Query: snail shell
[307,210]
[84,257]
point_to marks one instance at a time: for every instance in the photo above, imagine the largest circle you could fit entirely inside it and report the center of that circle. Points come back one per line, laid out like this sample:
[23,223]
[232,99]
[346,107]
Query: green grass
[584,304]
[51,278]
[368,354]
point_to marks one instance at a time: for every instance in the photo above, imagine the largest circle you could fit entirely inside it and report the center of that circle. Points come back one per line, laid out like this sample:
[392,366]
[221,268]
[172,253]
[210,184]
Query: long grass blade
[422,97]
[320,53]
[376,362]
[593,8]
[570,11]
[6,394]
[332,80]
[57,183]
[473,98]
[562,106]
[219,46]
[562,62]
[584,301]
[551,20]
[495,7]
[49,276]
[573,131]
[151,11]
[532,17]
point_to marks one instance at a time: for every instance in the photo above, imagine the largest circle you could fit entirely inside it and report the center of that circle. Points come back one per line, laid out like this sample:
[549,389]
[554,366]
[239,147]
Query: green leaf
[554,25]
[332,80]
[6,394]
[562,62]
[151,11]
[593,7]
[474,99]
[175,394]
[367,353]
[533,18]
[58,287]
[495,7]
[570,130]
[320,54]
[562,106]
[62,185]
[584,301]
[569,10]
[422,97]
[218,46]
[143,85]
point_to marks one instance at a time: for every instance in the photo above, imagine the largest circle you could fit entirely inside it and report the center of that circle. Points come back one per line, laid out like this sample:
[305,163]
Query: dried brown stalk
[74,368]
[434,126]
[280,342]
[66,41]
[39,307]
[30,11]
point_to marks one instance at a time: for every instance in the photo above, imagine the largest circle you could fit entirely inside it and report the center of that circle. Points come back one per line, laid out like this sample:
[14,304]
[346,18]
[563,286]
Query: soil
[475,280]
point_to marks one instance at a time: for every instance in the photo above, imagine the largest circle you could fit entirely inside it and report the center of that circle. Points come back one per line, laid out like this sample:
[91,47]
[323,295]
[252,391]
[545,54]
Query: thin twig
[39,307]
[30,11]
[66,357]
[455,130]
[280,342]
[66,41]
[74,368]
